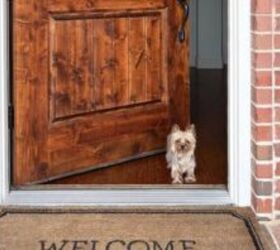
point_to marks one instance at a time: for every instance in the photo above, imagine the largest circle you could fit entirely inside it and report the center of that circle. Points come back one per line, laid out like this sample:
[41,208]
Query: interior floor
[209,114]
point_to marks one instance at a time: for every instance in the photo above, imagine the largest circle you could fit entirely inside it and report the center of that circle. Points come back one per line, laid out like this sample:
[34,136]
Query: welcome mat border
[244,214]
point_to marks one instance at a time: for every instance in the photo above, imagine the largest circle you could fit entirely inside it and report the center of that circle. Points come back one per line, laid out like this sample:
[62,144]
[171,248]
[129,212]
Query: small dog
[180,154]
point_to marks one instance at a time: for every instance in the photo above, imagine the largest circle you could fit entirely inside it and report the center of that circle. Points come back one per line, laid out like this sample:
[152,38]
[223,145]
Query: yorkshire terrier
[180,156]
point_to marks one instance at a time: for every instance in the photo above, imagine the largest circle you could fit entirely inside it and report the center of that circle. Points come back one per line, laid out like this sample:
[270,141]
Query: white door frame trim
[239,184]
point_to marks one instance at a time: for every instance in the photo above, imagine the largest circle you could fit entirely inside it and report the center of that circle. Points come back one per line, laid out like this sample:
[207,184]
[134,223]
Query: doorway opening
[75,148]
[208,71]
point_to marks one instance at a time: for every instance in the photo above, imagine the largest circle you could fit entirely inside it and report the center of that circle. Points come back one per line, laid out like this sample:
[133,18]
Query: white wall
[225,31]
[208,33]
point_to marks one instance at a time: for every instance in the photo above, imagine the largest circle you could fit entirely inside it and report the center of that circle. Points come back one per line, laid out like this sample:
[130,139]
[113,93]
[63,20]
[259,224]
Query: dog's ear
[175,128]
[192,129]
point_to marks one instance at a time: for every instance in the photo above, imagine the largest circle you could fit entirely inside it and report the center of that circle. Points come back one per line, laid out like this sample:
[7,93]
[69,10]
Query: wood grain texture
[103,63]
[154,46]
[95,82]
[30,57]
[178,59]
[137,59]
[101,5]
[121,60]
[148,171]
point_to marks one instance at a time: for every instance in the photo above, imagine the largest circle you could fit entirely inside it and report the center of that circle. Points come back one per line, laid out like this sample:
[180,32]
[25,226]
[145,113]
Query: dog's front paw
[190,179]
[177,181]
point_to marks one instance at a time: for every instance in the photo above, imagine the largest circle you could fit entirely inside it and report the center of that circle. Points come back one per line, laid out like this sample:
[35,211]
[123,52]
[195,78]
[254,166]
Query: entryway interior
[208,61]
[87,130]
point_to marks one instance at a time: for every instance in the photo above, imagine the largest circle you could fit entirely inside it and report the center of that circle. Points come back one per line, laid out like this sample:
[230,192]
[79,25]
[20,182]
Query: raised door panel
[103,63]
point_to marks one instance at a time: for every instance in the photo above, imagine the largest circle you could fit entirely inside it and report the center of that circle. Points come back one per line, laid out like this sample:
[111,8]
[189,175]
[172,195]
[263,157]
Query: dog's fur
[180,154]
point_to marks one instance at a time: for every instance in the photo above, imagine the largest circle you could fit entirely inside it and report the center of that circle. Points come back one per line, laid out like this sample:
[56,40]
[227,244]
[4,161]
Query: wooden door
[96,83]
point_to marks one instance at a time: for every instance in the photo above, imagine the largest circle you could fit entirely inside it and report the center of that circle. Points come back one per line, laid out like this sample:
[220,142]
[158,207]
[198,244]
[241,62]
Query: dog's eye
[188,142]
[177,141]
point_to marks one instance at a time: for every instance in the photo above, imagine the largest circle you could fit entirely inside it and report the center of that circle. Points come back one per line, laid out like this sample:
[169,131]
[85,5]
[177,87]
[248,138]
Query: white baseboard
[210,63]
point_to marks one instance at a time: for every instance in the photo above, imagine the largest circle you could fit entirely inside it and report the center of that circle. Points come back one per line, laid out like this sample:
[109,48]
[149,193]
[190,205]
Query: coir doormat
[130,229]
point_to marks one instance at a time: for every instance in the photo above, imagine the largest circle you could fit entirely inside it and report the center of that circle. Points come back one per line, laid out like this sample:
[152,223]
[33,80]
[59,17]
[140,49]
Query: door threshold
[119,197]
[118,187]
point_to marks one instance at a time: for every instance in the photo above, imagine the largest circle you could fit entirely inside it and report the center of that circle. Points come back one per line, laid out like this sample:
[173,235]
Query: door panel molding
[120,25]
[238,191]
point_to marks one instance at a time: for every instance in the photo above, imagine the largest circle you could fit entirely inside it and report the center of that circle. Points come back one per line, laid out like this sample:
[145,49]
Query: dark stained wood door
[96,83]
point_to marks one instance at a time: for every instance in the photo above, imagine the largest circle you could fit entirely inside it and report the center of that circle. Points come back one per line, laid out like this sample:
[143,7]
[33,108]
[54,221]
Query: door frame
[239,134]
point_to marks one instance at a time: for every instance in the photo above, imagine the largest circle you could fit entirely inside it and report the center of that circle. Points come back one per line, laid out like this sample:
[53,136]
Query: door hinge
[11,117]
